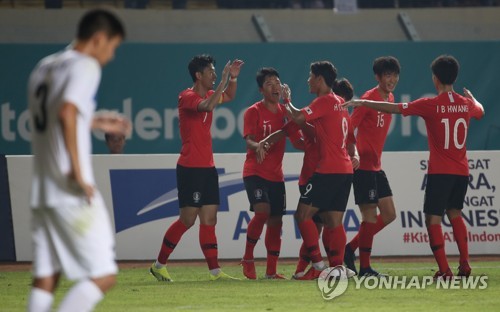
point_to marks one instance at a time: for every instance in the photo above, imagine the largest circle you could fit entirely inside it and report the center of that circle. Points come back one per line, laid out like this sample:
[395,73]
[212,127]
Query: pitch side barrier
[141,195]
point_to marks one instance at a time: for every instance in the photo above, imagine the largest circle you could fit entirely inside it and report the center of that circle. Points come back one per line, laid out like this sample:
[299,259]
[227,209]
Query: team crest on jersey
[258,194]
[405,105]
[372,194]
[196,197]
[309,110]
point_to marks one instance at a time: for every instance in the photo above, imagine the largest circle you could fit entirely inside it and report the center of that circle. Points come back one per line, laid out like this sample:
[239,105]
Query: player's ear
[198,75]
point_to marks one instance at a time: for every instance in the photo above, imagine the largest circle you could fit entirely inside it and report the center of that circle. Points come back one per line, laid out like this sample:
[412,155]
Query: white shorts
[77,240]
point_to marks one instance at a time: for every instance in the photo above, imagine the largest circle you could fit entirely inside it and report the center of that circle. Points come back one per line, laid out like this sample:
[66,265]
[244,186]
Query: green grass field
[137,290]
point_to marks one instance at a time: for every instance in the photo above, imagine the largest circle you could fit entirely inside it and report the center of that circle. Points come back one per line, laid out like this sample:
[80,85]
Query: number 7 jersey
[65,77]
[447,119]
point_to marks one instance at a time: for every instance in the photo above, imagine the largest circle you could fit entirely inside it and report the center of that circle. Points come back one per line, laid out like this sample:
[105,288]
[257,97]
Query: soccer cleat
[311,274]
[160,274]
[222,276]
[298,275]
[248,269]
[350,258]
[276,276]
[464,269]
[370,272]
[350,273]
[446,275]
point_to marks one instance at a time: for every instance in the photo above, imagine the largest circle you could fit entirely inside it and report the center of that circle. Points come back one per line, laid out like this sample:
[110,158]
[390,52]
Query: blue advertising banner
[144,80]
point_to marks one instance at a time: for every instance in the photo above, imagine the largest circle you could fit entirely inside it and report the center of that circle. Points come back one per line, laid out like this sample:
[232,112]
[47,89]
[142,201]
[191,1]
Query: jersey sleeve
[82,84]
[415,108]
[475,111]
[315,110]
[250,122]
[189,100]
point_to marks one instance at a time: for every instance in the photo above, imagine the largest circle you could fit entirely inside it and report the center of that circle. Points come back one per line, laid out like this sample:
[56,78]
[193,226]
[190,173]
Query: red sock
[273,246]
[304,259]
[310,236]
[170,240]
[326,237]
[366,233]
[460,234]
[208,243]
[354,243]
[337,245]
[253,233]
[436,240]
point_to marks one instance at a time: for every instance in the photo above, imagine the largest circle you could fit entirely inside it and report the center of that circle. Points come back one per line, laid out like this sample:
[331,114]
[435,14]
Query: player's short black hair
[386,65]
[199,63]
[109,136]
[100,20]
[264,72]
[326,70]
[343,88]
[445,68]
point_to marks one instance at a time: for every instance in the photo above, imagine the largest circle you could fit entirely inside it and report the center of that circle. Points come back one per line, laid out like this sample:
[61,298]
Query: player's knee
[389,217]
[105,283]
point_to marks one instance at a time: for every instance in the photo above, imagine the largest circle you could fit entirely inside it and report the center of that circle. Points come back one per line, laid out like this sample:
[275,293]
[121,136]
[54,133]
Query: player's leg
[436,198]
[277,200]
[46,267]
[334,229]
[84,242]
[458,224]
[367,231]
[258,196]
[304,258]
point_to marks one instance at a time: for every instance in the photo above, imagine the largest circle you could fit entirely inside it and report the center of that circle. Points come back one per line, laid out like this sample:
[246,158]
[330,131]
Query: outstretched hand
[286,93]
[112,122]
[235,67]
[468,94]
[352,103]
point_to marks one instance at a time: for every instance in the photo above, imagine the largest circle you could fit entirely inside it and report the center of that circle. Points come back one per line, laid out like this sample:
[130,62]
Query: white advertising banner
[140,193]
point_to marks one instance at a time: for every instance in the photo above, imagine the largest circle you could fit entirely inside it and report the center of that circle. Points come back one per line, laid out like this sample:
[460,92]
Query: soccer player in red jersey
[447,119]
[263,178]
[371,187]
[327,191]
[197,179]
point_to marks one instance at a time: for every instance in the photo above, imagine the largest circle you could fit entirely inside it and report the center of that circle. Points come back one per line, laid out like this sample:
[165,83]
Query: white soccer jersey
[68,76]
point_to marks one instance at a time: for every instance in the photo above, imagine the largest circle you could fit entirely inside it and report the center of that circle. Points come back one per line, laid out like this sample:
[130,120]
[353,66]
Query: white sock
[82,297]
[215,271]
[40,300]
[158,265]
[319,265]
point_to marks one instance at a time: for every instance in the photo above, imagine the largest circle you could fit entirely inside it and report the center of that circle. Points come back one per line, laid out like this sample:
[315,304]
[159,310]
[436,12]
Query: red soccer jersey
[311,152]
[196,150]
[447,119]
[331,121]
[373,127]
[260,122]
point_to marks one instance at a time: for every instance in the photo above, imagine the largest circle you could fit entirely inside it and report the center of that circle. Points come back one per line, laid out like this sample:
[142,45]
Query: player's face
[387,81]
[208,76]
[271,89]
[106,47]
[312,81]
[116,143]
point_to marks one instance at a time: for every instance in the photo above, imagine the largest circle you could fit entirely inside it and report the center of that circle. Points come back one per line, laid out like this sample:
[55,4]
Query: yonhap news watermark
[333,282]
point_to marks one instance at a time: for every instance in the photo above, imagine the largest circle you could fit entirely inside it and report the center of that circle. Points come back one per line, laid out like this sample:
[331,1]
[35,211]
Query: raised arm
[234,72]
[385,107]
[469,95]
[215,99]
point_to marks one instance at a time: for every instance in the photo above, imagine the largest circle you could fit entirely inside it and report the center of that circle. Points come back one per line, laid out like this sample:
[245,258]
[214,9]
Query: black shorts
[316,218]
[197,186]
[327,192]
[370,186]
[443,192]
[260,190]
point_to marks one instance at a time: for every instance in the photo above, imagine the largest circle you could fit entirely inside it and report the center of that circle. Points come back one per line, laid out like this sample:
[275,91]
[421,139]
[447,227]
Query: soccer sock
[326,237]
[436,240]
[354,243]
[366,233]
[40,300]
[460,234]
[82,297]
[273,246]
[208,243]
[254,230]
[304,259]
[170,240]
[310,236]
[337,245]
